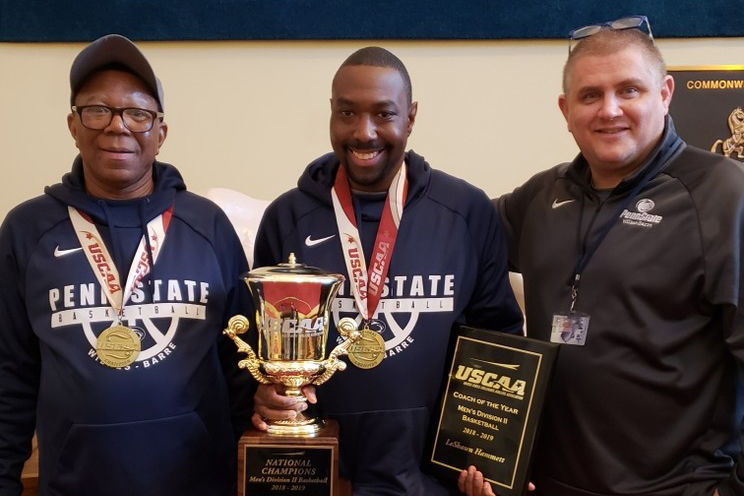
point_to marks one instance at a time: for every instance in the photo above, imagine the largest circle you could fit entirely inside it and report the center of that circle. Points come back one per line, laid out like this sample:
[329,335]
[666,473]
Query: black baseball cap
[113,49]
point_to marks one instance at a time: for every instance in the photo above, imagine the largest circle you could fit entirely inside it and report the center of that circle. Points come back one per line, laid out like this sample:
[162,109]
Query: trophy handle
[347,328]
[238,325]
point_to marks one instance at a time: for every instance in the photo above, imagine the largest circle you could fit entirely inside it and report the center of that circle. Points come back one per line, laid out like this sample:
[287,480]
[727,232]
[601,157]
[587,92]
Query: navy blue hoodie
[448,266]
[166,424]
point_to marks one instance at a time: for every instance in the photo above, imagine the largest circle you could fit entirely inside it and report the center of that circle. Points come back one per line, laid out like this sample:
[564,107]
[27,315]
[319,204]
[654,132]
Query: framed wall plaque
[490,407]
[708,107]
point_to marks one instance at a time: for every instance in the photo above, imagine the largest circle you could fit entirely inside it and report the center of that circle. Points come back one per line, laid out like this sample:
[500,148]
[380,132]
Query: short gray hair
[609,41]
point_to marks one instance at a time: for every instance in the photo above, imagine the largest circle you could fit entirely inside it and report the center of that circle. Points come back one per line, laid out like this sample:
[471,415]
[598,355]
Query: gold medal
[368,351]
[118,346]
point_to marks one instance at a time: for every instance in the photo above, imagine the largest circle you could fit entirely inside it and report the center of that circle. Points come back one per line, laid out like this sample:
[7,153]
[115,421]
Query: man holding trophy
[420,251]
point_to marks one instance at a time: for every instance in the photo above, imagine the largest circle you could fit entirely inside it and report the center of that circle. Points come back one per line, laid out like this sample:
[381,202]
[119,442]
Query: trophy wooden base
[30,474]
[270,465]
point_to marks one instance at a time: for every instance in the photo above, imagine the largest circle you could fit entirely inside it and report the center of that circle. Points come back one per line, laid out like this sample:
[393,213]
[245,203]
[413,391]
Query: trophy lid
[292,271]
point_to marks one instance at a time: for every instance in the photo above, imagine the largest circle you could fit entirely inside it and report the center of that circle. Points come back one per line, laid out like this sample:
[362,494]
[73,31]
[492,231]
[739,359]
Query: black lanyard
[588,252]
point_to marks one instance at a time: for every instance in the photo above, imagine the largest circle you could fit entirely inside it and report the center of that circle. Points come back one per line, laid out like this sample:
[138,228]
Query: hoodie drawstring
[112,231]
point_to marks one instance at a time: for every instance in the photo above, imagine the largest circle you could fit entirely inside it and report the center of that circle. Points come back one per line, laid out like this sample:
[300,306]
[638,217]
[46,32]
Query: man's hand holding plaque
[490,408]
[472,483]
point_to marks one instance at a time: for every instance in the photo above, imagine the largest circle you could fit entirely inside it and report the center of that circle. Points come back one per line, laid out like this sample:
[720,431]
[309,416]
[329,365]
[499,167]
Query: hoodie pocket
[172,455]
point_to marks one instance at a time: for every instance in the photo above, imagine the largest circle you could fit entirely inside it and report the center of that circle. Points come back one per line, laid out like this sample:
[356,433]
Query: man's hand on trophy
[271,404]
[472,483]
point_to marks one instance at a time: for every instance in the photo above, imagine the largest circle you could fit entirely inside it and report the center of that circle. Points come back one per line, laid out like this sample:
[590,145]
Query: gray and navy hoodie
[166,424]
[448,266]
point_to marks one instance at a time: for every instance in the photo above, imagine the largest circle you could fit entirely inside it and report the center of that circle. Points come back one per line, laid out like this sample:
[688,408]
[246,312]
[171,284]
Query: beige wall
[250,115]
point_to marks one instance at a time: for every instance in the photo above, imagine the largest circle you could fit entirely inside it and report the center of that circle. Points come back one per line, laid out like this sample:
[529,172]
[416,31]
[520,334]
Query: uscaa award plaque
[490,407]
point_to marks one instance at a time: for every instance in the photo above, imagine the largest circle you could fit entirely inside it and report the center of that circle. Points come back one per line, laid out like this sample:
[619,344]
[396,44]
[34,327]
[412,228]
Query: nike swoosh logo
[313,242]
[61,253]
[557,203]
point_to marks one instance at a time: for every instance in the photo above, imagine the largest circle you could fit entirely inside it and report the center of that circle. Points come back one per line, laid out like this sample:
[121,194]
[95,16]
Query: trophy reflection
[292,303]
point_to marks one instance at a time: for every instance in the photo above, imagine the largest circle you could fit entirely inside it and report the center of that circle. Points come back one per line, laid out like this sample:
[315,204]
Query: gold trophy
[292,310]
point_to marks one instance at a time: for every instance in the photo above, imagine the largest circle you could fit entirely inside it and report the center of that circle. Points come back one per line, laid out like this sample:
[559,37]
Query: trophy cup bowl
[292,303]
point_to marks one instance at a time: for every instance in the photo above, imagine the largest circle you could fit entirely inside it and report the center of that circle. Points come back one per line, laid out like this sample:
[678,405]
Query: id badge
[570,328]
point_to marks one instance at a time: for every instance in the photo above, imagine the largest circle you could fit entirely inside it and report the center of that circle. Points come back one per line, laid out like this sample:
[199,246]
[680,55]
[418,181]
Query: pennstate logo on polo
[404,298]
[84,306]
[641,217]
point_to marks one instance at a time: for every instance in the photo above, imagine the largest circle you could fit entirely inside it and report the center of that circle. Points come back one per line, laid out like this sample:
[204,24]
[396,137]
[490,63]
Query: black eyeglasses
[98,117]
[639,22]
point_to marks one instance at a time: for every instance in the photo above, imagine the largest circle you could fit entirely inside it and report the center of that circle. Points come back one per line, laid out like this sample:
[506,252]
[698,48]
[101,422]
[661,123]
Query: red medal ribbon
[366,286]
[102,263]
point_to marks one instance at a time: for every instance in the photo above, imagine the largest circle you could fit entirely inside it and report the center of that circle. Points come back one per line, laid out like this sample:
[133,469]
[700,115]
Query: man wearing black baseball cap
[110,50]
[111,345]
